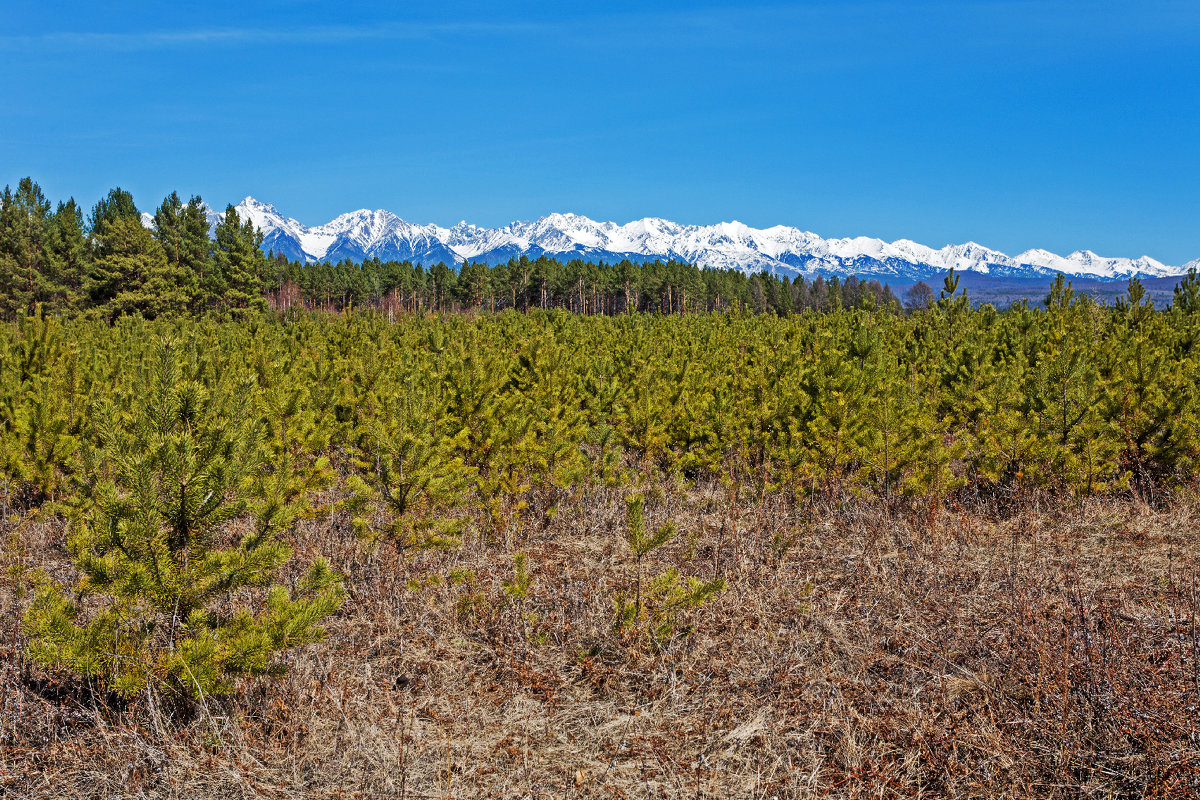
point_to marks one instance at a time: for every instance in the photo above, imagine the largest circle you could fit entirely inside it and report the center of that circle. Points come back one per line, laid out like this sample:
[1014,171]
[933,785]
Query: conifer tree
[473,284]
[131,273]
[117,204]
[39,433]
[1187,293]
[27,273]
[548,392]
[497,440]
[1145,405]
[176,527]
[69,249]
[10,300]
[238,266]
[412,477]
[659,603]
[182,231]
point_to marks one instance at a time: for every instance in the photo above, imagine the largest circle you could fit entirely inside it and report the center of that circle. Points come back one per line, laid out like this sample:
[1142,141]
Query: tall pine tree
[69,249]
[28,274]
[238,266]
[182,231]
[132,275]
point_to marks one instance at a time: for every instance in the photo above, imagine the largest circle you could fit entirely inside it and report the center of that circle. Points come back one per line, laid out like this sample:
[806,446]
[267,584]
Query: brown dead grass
[856,653]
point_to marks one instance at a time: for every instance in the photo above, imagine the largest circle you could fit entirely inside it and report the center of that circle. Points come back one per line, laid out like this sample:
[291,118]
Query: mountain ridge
[364,234]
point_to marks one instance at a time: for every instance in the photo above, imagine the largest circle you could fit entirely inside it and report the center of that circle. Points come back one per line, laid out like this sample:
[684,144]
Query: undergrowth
[859,650]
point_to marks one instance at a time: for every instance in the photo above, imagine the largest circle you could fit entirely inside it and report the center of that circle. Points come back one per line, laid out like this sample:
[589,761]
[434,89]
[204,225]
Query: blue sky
[1062,125]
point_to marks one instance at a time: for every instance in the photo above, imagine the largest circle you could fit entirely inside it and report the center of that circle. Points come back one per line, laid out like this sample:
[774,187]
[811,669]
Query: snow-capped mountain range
[782,250]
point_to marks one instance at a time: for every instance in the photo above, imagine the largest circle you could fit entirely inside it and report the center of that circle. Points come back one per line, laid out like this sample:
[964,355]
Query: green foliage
[181,517]
[36,249]
[39,427]
[114,267]
[640,540]
[1187,293]
[132,274]
[494,426]
[117,204]
[235,278]
[68,248]
[517,587]
[411,476]
[182,231]
[669,597]
[180,489]
[498,412]
[659,606]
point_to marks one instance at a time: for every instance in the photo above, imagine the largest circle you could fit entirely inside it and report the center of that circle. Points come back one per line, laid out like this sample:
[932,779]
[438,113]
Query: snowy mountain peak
[366,233]
[249,203]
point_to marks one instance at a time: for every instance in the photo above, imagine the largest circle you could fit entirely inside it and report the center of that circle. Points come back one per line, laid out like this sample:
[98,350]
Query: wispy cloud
[235,37]
[724,23]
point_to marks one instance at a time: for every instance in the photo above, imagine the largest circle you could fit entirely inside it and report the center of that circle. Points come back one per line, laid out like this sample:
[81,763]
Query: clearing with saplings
[850,553]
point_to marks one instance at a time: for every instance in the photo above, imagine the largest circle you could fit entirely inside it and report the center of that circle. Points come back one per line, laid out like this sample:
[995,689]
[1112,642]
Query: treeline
[583,287]
[112,265]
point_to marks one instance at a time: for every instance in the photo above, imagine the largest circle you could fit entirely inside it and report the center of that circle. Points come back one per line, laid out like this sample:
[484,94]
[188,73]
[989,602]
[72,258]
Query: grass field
[941,652]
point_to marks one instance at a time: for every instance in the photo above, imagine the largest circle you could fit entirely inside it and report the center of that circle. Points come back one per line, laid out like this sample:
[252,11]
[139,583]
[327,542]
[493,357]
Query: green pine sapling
[181,520]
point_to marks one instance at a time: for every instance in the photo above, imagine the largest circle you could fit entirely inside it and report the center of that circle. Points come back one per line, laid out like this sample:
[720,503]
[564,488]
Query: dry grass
[856,653]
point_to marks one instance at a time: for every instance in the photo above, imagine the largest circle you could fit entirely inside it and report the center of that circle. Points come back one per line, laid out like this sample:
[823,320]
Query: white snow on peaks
[727,245]
[1085,262]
